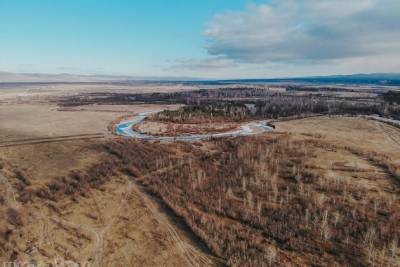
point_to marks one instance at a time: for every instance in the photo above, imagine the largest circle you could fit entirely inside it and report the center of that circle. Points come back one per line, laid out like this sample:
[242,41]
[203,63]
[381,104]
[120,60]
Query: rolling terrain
[321,189]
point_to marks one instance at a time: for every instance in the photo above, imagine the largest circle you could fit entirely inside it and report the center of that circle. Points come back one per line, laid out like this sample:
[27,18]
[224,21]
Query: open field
[22,121]
[41,142]
[317,191]
[30,111]
[366,134]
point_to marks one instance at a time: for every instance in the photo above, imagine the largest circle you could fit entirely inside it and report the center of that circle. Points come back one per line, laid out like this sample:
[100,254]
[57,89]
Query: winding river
[126,129]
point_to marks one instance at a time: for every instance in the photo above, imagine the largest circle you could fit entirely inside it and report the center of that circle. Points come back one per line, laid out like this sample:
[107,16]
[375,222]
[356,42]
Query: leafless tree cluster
[258,201]
[133,158]
[255,201]
[233,103]
[274,107]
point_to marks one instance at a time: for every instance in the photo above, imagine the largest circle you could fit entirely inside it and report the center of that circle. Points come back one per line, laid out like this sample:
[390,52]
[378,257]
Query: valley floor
[71,190]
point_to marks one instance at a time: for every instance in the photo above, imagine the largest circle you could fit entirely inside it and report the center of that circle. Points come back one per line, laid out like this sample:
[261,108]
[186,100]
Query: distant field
[320,190]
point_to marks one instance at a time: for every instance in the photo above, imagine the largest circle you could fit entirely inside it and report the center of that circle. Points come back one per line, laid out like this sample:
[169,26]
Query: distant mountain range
[9,77]
[389,79]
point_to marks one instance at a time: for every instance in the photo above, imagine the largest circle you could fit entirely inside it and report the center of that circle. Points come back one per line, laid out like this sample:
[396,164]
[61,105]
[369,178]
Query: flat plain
[320,190]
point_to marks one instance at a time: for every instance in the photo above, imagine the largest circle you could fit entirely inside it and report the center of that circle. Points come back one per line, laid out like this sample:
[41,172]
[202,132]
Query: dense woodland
[238,104]
[392,97]
[275,107]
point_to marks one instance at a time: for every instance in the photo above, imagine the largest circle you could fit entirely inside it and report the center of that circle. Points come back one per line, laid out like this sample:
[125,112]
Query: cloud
[306,31]
[213,63]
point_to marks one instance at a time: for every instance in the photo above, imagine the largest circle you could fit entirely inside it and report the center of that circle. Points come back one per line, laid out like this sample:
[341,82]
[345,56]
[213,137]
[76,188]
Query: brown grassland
[320,191]
[310,196]
[89,212]
[287,199]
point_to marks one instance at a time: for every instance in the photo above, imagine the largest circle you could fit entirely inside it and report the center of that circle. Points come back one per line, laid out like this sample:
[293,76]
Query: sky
[200,38]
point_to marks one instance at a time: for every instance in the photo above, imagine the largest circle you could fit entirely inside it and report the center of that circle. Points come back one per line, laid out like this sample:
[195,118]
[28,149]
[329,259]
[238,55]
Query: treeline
[217,112]
[317,89]
[392,97]
[284,106]
[275,107]
[202,96]
[237,104]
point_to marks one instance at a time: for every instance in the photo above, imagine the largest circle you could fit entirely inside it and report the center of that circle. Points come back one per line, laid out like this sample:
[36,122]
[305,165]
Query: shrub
[14,217]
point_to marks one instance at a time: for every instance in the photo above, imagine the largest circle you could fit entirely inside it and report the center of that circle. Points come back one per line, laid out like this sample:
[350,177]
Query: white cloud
[201,64]
[308,31]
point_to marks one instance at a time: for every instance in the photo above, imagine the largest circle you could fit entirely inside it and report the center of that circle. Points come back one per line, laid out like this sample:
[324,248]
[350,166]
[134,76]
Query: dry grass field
[208,133]
[366,134]
[320,191]
[85,209]
[305,197]
[40,143]
[31,110]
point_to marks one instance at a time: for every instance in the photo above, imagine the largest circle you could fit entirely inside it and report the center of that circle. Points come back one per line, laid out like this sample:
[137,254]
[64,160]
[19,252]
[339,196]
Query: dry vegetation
[158,128]
[277,199]
[268,201]
[90,212]
[231,104]
[317,192]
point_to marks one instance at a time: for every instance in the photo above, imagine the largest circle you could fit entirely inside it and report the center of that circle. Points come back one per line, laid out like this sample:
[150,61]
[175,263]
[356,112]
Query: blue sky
[198,38]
